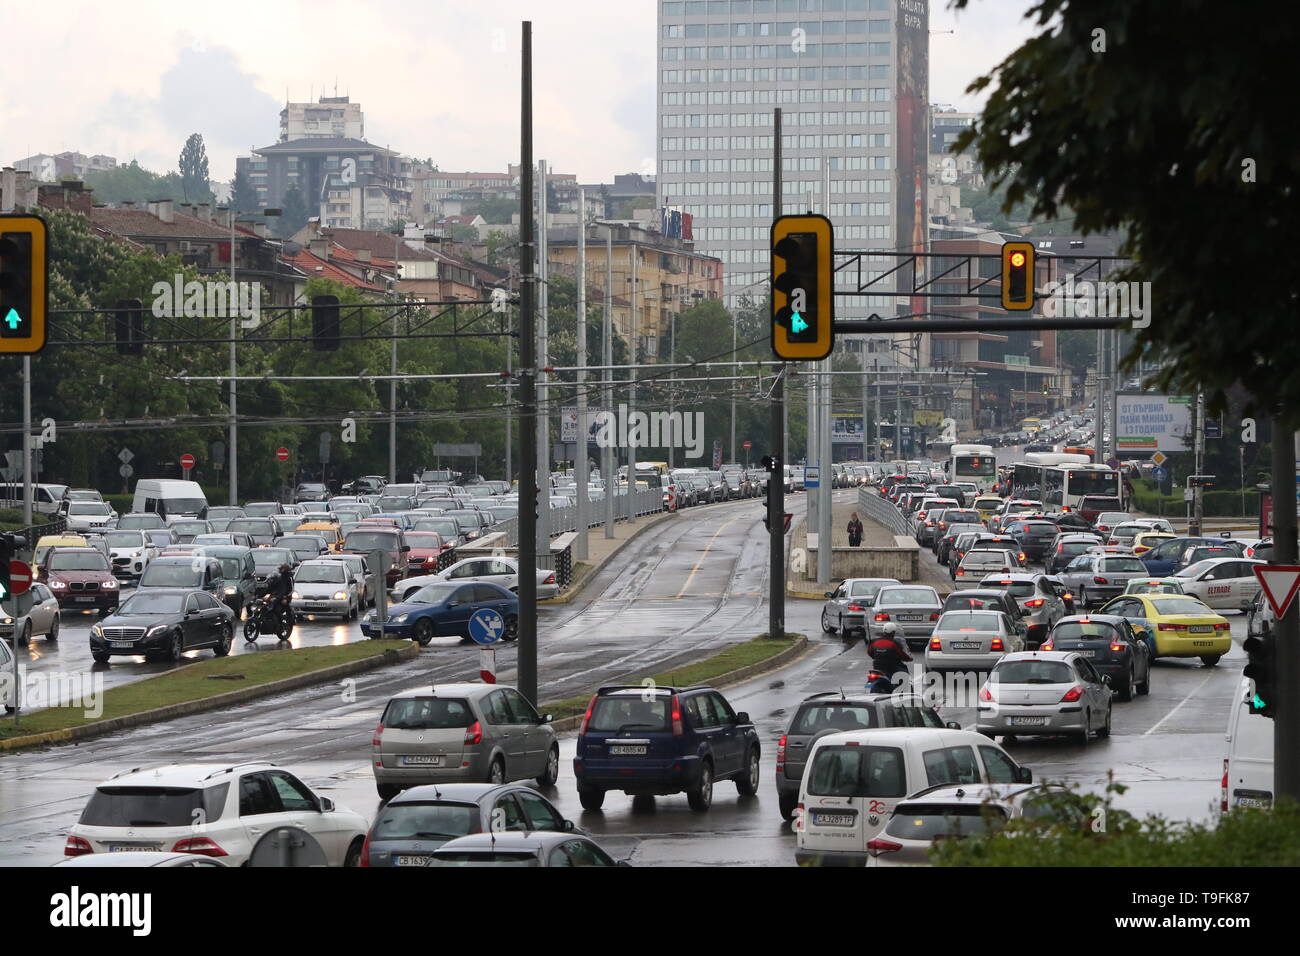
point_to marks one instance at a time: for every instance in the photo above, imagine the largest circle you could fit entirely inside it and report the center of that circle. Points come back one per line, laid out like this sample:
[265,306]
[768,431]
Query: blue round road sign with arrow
[1159,474]
[486,626]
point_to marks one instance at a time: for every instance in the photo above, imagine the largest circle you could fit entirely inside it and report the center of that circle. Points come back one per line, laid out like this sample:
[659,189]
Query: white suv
[213,810]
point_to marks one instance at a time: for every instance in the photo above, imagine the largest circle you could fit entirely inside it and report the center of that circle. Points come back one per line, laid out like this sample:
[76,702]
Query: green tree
[131,182]
[243,197]
[1077,116]
[294,213]
[193,163]
[495,211]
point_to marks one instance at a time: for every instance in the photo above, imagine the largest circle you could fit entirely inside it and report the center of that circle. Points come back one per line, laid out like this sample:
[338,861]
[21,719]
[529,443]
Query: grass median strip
[200,679]
[733,658]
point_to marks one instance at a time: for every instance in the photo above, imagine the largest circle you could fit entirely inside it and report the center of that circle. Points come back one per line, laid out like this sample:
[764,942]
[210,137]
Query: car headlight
[95,630]
[156,629]
[57,585]
[230,590]
[368,616]
[340,595]
[109,585]
[400,619]
[296,596]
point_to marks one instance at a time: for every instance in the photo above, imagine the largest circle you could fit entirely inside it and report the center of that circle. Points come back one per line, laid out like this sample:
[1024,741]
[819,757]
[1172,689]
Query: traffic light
[1017,276]
[128,326]
[803,300]
[770,464]
[325,323]
[23,289]
[1261,669]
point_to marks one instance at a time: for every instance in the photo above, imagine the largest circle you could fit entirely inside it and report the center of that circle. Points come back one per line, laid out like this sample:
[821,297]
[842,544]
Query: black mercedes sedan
[162,624]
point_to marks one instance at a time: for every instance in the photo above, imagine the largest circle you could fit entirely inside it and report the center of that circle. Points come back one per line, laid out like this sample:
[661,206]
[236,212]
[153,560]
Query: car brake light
[1116,647]
[379,732]
[1166,626]
[855,607]
[878,846]
[676,708]
[780,754]
[365,852]
[1098,580]
[474,732]
[1072,695]
[985,694]
[960,572]
[1036,602]
[882,616]
[1223,626]
[550,579]
[200,846]
[935,644]
[1047,645]
[1223,799]
[934,615]
[79,846]
[1022,556]
[586,718]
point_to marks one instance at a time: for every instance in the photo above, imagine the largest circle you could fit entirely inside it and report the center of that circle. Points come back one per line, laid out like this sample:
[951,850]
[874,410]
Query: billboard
[1153,422]
[846,429]
[569,424]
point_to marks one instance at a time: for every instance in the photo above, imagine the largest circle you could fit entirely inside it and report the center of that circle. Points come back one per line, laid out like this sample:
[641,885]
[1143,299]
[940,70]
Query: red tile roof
[316,267]
[141,222]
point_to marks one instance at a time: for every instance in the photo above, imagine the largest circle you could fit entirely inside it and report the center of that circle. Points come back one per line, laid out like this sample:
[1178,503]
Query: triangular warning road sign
[1280,583]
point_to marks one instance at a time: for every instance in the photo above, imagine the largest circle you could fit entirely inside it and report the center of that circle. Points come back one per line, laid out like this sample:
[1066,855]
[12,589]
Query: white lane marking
[707,548]
[1179,706]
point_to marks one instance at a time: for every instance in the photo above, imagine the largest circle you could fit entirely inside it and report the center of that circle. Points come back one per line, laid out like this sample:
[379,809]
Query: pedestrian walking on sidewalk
[855,531]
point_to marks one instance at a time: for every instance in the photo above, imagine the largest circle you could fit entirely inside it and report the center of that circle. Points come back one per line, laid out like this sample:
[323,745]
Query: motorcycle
[265,616]
[878,682]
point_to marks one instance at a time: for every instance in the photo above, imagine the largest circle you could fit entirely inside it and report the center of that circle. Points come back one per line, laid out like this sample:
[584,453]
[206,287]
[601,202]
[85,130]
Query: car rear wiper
[148,823]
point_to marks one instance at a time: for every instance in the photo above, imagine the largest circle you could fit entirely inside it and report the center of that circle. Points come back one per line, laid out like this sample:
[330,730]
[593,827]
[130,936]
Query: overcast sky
[436,78]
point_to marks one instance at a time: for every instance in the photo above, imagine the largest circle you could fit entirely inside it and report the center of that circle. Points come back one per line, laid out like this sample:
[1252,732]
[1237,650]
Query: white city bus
[1060,480]
[975,463]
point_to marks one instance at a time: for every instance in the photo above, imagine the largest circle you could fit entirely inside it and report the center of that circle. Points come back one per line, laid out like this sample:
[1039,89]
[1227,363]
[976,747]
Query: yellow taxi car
[1149,539]
[1176,625]
[323,529]
[986,505]
[48,541]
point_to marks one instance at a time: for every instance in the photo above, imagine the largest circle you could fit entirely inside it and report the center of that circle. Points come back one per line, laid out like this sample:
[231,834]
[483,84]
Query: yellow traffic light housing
[803,287]
[1017,276]
[23,286]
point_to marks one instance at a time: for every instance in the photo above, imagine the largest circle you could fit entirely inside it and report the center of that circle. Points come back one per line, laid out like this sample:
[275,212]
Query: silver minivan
[462,733]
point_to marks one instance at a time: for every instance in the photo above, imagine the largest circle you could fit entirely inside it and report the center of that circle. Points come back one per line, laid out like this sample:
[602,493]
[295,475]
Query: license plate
[121,644]
[85,598]
[966,645]
[832,819]
[1253,802]
[129,847]
[627,751]
[424,760]
[1199,629]
[910,617]
[1086,653]
[1202,643]
[412,860]
[1029,721]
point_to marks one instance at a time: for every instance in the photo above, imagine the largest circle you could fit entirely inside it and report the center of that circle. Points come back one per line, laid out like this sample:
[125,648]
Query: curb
[730,678]
[595,569]
[86,731]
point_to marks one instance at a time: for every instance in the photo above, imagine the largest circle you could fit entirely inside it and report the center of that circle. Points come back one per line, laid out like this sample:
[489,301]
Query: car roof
[890,581]
[839,697]
[909,587]
[962,793]
[1209,562]
[512,841]
[467,792]
[449,690]
[1018,576]
[182,775]
[1115,619]
[175,558]
[1062,656]
[893,736]
[972,610]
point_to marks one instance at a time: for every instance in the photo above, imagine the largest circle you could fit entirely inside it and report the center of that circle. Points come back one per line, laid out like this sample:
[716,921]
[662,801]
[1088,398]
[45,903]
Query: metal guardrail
[883,512]
[564,520]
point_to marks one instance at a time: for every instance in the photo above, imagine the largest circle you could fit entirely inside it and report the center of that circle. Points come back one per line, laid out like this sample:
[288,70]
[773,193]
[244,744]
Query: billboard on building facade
[1153,422]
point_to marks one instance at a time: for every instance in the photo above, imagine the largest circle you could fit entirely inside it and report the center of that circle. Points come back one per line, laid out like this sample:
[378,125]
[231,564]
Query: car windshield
[1032,672]
[431,594]
[617,712]
[1111,517]
[425,539]
[371,541]
[88,508]
[426,821]
[965,621]
[1122,564]
[152,604]
[427,713]
[261,510]
[272,557]
[839,771]
[1017,589]
[1083,631]
[260,526]
[232,569]
[442,526]
[1181,605]
[300,545]
[126,806]
[866,589]
[77,561]
[320,574]
[893,596]
[133,522]
[834,715]
[943,820]
[1154,587]
[171,576]
[125,539]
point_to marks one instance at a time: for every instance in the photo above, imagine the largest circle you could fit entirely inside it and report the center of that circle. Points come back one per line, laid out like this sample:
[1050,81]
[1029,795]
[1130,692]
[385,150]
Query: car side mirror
[1105,679]
[544,719]
[568,826]
[952,725]
[742,718]
[326,805]
[405,548]
[830,594]
[1024,775]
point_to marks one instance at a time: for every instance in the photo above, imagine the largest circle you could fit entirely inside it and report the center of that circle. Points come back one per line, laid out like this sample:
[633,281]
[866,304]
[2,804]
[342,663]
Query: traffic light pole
[776,442]
[526,667]
[1286,630]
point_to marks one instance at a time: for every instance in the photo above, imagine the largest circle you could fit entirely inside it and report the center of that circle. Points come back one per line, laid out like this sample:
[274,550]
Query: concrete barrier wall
[901,562]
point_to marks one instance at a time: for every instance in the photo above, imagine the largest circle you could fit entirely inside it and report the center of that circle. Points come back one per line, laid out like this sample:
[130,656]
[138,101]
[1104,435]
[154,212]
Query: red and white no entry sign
[282,454]
[20,577]
[187,461]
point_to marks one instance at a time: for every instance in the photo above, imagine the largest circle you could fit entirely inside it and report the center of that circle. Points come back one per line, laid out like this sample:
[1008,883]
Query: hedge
[1216,504]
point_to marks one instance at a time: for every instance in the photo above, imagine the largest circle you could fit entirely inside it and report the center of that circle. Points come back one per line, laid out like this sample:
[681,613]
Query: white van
[170,498]
[46,499]
[855,778]
[1248,768]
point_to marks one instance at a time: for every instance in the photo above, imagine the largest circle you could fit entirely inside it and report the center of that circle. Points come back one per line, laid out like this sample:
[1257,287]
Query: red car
[80,579]
[426,546]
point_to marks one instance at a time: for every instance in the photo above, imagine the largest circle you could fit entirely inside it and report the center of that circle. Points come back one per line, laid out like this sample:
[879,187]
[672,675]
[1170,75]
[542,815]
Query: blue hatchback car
[444,609]
[648,740]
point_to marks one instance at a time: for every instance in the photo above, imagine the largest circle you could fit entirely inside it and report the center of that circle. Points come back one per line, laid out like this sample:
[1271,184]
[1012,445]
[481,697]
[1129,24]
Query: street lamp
[234,371]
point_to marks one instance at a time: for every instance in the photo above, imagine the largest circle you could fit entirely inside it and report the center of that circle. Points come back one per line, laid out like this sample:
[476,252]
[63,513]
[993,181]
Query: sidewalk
[601,550]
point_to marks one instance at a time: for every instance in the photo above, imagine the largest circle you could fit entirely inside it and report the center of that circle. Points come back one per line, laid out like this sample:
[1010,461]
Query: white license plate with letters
[422,760]
[627,750]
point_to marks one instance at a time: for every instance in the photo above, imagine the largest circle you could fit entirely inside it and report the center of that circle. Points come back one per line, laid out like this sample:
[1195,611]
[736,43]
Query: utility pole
[529,486]
[1286,629]
[866,411]
[234,370]
[824,483]
[543,392]
[631,377]
[580,446]
[1098,418]
[392,370]
[27,452]
[607,353]
[812,444]
[1198,493]
[777,431]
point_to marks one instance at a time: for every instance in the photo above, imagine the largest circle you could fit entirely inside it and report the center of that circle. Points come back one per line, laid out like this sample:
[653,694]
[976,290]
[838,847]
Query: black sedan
[164,623]
[1115,648]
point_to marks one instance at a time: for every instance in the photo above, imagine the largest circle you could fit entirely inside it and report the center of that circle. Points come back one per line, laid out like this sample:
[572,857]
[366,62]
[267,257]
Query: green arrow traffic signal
[797,324]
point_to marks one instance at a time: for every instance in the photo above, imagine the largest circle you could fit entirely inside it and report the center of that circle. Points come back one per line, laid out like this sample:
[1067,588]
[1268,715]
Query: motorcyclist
[888,650]
[279,589]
